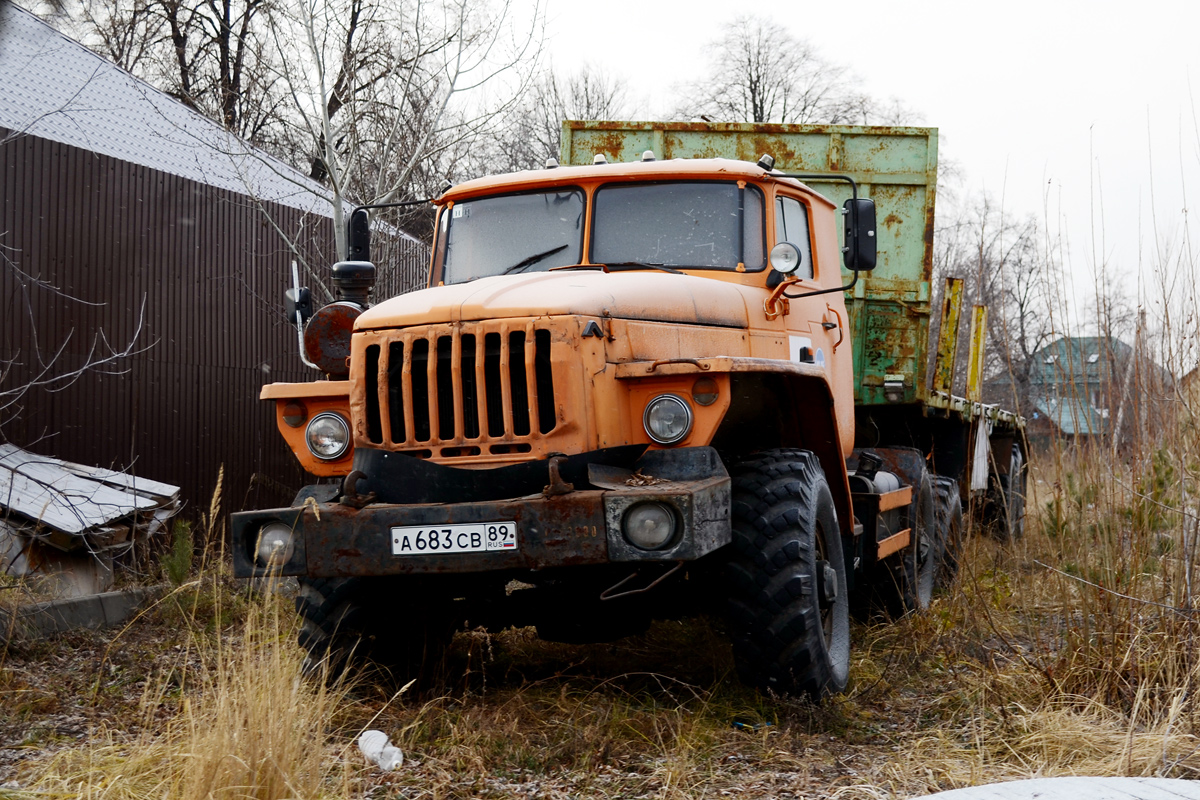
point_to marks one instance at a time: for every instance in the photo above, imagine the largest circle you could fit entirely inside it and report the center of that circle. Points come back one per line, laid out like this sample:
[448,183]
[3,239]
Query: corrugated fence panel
[109,246]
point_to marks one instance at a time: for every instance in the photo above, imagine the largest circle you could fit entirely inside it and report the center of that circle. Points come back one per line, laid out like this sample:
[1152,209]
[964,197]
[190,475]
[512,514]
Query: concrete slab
[92,611]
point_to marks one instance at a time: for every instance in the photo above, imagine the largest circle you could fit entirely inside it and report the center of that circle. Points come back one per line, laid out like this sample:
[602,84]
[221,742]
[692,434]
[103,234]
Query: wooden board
[73,498]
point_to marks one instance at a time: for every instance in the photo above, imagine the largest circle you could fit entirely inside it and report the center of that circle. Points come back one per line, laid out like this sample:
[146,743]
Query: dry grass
[1072,651]
[240,723]
[229,715]
[975,690]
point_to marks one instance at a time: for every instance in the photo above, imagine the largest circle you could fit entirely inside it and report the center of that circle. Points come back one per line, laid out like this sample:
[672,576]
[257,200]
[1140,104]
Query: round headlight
[785,258]
[275,545]
[649,526]
[668,419]
[328,436]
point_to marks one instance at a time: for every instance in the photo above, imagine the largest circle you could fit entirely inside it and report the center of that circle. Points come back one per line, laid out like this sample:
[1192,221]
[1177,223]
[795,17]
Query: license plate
[474,537]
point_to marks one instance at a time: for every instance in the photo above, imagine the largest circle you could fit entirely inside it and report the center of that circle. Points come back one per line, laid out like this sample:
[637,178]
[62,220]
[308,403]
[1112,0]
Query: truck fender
[785,409]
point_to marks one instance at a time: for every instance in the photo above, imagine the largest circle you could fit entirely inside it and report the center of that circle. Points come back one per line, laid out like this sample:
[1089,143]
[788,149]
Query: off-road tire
[330,624]
[921,565]
[355,619]
[907,582]
[948,503]
[788,604]
[1010,498]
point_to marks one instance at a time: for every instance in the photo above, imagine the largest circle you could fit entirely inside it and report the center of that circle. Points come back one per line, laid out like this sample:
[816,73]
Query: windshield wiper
[533,259]
[617,266]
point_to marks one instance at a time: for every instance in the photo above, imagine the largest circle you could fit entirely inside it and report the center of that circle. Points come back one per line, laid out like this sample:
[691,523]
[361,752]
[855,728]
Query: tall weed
[233,718]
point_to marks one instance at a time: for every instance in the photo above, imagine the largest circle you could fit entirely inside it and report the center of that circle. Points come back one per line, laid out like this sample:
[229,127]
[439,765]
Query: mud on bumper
[574,517]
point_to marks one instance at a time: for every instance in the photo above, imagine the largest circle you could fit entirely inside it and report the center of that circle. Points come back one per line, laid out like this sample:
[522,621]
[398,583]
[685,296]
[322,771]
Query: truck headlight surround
[276,543]
[667,419]
[328,436]
[649,525]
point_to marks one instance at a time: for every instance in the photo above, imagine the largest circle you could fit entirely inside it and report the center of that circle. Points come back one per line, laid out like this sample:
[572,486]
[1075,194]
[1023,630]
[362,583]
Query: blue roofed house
[1093,388]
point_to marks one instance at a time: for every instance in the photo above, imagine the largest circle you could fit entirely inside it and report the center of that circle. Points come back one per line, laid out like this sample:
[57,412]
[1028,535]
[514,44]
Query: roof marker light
[599,159]
[648,155]
[767,162]
[551,162]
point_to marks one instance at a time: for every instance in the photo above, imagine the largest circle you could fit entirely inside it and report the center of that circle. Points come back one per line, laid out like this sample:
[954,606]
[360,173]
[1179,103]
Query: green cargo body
[895,166]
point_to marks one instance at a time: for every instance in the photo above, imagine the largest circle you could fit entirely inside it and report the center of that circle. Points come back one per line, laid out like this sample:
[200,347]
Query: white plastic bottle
[380,751]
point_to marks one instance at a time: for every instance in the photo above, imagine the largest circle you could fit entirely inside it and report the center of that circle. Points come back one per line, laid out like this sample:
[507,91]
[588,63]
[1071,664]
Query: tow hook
[557,485]
[350,496]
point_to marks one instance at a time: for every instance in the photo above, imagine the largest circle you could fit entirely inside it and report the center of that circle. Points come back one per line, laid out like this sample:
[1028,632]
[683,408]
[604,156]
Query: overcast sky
[1071,111]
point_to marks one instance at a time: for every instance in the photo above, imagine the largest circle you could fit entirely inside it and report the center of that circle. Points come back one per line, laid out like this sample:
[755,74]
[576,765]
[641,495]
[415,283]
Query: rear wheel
[950,529]
[1010,498]
[909,587]
[789,617]
[920,565]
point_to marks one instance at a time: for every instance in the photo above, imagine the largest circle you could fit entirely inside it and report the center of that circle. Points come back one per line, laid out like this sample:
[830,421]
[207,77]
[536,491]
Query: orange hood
[650,296]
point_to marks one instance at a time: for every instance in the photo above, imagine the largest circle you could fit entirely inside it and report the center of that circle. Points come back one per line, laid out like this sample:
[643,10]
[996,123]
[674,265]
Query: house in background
[1082,389]
[129,222]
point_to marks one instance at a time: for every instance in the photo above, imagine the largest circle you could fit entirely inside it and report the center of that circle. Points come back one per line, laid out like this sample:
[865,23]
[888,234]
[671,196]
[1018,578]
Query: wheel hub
[827,584]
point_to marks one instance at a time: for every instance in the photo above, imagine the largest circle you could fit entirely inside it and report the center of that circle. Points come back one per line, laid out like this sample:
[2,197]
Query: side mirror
[860,243]
[358,236]
[298,301]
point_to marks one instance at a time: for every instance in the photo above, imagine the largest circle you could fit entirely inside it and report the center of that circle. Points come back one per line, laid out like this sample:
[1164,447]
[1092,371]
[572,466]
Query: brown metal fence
[97,255]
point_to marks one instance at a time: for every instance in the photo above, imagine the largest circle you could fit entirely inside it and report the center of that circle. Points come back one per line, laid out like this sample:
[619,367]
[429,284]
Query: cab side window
[791,225]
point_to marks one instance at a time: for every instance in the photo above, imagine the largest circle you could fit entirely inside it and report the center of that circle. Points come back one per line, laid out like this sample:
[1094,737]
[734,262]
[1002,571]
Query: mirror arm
[853,194]
[845,288]
[826,177]
[773,306]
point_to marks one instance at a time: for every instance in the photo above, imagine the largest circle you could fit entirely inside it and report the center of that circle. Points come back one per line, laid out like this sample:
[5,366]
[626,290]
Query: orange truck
[683,371]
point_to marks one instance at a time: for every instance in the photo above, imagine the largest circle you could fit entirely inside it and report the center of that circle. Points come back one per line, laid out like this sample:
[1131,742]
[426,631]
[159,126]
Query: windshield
[512,234]
[686,224]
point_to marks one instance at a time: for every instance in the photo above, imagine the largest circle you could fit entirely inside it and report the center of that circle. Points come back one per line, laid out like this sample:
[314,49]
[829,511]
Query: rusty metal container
[896,166]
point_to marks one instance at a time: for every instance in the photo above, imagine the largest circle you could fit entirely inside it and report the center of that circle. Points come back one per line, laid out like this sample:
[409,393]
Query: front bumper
[578,526]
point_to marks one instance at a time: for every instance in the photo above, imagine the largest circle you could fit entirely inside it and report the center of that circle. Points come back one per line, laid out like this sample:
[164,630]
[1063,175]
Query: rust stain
[785,157]
[927,264]
[327,338]
[610,145]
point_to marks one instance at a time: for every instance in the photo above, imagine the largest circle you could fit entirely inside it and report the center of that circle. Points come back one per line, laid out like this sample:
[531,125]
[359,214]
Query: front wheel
[788,606]
[330,624]
[401,629]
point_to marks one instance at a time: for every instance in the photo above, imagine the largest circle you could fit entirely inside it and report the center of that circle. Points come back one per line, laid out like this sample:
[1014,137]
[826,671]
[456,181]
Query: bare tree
[378,100]
[380,89]
[209,54]
[759,72]
[532,132]
[125,33]
[1005,265]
